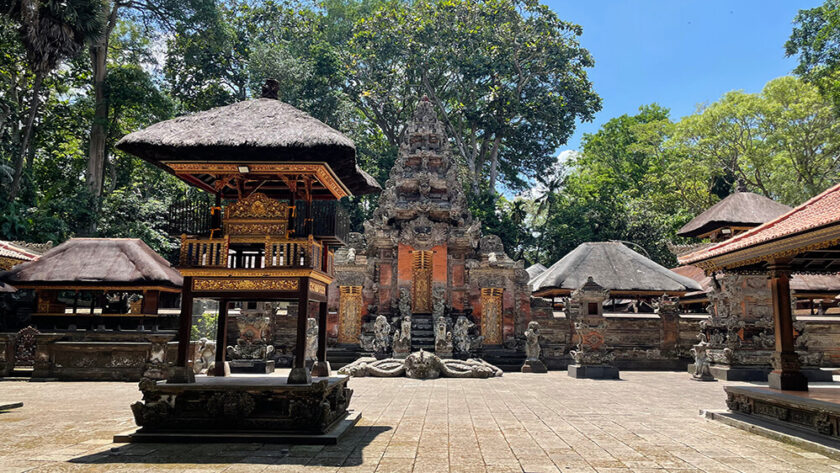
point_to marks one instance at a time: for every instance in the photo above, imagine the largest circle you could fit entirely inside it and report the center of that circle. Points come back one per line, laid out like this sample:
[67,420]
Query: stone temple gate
[422,254]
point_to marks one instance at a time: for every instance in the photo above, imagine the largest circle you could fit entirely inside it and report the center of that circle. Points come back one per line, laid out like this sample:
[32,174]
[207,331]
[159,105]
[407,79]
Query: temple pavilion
[268,166]
[804,240]
[624,272]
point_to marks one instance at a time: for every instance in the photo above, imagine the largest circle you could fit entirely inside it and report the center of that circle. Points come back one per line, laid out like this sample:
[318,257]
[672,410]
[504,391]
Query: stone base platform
[759,373]
[593,371]
[330,437]
[252,366]
[815,412]
[234,409]
[534,366]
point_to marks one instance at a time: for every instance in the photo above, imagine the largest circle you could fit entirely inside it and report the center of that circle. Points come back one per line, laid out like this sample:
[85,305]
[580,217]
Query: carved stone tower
[422,241]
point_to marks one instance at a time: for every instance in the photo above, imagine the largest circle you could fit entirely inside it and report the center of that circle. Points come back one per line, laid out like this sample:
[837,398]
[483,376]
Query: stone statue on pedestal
[252,352]
[464,342]
[402,338]
[533,364]
[311,352]
[381,335]
[702,367]
[205,356]
[443,339]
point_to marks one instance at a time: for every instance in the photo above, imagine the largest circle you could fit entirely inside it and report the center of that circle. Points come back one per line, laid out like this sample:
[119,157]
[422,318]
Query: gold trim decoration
[317,288]
[256,273]
[231,284]
[322,171]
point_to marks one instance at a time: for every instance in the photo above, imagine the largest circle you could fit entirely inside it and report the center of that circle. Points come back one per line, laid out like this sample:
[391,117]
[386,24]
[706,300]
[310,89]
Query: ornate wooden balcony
[253,253]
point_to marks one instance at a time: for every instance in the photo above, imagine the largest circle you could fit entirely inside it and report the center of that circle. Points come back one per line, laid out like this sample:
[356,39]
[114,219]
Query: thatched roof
[253,130]
[745,209]
[96,262]
[613,266]
[535,270]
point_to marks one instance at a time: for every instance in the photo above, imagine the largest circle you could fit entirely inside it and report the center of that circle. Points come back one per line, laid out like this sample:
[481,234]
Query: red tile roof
[820,211]
[10,250]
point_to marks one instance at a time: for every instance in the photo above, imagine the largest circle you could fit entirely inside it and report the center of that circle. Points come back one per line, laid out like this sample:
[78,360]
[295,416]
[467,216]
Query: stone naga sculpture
[421,365]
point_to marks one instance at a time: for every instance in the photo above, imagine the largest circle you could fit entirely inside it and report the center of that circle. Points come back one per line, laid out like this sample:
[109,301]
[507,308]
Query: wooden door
[491,315]
[422,287]
[349,313]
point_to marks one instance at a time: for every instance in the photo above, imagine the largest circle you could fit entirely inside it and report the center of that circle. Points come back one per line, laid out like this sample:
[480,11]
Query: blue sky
[679,53]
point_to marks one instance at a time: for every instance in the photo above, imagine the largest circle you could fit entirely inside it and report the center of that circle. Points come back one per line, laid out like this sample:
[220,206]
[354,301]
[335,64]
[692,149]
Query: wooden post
[150,302]
[321,368]
[299,374]
[785,374]
[221,338]
[181,373]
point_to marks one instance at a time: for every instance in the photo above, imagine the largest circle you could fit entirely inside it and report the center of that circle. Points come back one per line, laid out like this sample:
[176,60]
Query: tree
[51,31]
[508,78]
[816,40]
[161,14]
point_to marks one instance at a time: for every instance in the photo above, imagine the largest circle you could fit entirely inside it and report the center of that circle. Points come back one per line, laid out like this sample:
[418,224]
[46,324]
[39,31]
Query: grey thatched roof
[535,270]
[613,266]
[96,261]
[741,208]
[253,130]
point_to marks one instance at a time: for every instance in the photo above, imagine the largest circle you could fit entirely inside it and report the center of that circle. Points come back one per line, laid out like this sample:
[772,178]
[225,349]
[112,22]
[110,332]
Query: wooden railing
[204,252]
[253,253]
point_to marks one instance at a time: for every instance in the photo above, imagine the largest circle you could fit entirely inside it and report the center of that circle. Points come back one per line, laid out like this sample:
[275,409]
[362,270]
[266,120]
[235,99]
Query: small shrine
[276,174]
[422,259]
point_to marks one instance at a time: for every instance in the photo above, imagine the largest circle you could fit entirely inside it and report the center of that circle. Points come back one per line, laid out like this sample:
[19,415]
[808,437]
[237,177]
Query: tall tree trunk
[494,162]
[99,128]
[34,103]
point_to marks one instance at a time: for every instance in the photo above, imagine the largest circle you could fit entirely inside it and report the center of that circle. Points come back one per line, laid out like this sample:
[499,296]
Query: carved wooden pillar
[299,374]
[785,374]
[221,338]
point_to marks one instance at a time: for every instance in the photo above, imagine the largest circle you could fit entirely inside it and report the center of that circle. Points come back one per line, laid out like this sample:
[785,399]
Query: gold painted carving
[256,214]
[349,313]
[422,287]
[317,288]
[491,315]
[245,284]
[321,171]
[43,304]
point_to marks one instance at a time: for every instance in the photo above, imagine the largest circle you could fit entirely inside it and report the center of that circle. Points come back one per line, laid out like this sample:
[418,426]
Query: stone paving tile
[647,422]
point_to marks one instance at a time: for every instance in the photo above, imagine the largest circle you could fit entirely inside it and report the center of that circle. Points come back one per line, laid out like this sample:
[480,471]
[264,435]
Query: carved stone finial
[270,89]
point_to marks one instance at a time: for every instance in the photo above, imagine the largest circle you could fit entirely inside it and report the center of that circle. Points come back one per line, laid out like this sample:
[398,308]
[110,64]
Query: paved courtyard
[647,422]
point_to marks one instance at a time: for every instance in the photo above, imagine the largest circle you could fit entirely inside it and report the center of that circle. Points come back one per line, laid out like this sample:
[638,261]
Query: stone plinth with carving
[593,358]
[252,352]
[421,365]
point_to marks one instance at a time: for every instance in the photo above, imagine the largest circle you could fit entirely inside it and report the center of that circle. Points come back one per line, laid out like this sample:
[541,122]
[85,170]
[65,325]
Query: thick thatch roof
[745,209]
[253,130]
[120,262]
[535,270]
[613,266]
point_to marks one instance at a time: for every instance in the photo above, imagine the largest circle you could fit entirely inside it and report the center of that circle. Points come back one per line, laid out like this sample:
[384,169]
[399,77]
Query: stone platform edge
[331,437]
[789,435]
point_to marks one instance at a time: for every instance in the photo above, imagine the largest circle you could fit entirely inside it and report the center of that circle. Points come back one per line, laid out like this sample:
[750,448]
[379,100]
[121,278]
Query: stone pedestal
[534,366]
[250,409]
[321,369]
[593,371]
[299,376]
[252,366]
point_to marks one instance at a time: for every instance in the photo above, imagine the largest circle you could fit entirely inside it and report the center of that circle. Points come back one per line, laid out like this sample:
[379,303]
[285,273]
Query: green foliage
[816,41]
[205,327]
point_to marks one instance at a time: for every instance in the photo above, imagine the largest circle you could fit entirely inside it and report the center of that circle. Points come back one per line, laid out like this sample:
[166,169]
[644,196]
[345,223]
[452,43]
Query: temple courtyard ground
[646,422]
